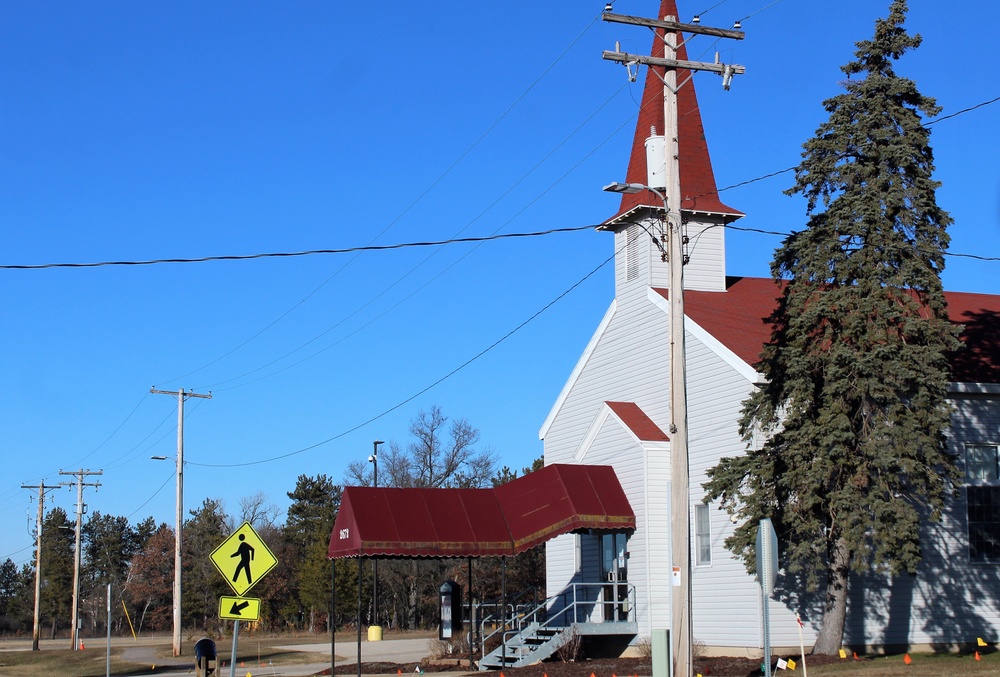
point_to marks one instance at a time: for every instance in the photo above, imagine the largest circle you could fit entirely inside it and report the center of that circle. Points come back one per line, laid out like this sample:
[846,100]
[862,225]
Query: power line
[309,252]
[960,112]
[409,399]
[775,2]
[405,245]
[792,169]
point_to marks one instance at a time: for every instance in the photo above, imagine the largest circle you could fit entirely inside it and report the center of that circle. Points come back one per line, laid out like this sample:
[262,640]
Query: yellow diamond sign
[243,559]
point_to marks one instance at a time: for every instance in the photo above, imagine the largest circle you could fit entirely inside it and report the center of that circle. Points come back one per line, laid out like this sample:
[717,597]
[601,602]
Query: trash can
[374,633]
[204,657]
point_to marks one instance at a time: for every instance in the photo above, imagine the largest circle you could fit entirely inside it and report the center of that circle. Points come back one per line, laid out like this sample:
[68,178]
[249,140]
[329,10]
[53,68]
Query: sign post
[243,559]
[767,572]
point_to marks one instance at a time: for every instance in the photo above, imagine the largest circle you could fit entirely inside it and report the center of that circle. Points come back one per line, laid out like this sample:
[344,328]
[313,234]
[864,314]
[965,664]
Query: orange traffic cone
[856,656]
[978,657]
[907,659]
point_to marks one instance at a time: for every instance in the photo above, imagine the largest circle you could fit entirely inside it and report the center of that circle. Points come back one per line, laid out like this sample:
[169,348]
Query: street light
[177,547]
[181,396]
[632,188]
[373,459]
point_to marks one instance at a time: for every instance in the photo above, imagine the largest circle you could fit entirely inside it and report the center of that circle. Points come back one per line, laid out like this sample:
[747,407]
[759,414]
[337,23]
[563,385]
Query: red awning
[505,520]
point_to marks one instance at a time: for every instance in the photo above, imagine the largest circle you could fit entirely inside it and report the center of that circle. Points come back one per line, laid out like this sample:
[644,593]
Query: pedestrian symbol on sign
[243,559]
[245,553]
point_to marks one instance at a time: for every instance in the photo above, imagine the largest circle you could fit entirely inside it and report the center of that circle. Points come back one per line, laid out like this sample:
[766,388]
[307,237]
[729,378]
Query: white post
[108,668]
[76,564]
[180,523]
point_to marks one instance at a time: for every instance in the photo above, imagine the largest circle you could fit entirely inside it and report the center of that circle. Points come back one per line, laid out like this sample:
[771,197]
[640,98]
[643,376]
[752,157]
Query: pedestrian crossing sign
[243,559]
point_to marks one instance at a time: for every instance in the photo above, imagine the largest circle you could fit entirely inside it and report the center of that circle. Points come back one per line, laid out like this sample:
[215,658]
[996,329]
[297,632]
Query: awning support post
[359,615]
[503,610]
[469,616]
[333,616]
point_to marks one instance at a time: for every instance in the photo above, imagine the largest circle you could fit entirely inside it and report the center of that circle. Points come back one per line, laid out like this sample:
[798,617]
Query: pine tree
[208,526]
[58,551]
[845,440]
[311,516]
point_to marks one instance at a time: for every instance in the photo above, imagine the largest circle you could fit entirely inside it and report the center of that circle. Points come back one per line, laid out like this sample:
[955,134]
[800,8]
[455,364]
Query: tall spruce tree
[845,440]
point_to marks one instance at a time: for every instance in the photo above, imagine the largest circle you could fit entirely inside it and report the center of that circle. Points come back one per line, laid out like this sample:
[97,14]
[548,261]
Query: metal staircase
[535,634]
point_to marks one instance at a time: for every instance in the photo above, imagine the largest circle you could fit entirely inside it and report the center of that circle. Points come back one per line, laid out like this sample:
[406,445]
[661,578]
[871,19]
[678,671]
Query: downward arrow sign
[238,607]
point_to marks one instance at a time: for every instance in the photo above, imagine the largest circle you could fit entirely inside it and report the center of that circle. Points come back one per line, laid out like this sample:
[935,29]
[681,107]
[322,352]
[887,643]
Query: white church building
[615,409]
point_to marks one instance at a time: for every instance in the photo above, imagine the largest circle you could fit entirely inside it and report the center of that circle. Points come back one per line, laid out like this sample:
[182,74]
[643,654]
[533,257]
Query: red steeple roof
[698,189]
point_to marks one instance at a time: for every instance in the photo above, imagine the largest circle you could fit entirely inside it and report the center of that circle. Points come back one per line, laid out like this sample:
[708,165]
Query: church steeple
[698,190]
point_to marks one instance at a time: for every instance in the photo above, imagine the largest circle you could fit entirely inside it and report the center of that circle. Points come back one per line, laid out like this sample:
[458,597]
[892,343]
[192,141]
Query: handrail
[575,598]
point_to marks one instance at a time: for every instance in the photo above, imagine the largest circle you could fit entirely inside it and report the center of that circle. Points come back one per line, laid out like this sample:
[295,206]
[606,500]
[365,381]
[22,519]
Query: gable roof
[505,520]
[636,420]
[698,189]
[737,317]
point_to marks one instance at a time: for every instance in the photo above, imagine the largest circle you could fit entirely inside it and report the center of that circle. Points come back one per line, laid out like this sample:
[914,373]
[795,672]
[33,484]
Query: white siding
[706,250]
[726,601]
[950,600]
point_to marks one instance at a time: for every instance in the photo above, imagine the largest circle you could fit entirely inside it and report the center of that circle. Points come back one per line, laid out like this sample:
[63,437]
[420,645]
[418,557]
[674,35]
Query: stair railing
[575,604]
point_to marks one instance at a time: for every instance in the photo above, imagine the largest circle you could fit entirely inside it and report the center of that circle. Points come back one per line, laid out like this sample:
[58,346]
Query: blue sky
[133,131]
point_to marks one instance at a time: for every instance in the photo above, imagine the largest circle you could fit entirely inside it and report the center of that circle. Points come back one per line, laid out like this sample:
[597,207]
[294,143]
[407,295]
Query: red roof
[698,189]
[737,319]
[559,499]
[636,420]
[505,520]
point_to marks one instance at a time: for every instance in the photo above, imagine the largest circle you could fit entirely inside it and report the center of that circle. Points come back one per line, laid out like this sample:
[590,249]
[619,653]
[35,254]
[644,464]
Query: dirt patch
[718,666]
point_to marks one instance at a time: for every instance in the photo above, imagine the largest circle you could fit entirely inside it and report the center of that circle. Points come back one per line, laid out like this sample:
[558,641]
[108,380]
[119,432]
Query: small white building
[614,410]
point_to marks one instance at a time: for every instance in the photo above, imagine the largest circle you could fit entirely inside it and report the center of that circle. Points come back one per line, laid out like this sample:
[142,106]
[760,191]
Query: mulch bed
[716,666]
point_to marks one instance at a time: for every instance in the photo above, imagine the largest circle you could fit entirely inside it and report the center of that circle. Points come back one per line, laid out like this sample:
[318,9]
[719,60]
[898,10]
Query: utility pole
[38,557]
[181,396]
[669,30]
[80,484]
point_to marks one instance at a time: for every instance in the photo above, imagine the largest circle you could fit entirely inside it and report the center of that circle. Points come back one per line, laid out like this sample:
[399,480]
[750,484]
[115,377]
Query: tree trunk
[411,612]
[831,632]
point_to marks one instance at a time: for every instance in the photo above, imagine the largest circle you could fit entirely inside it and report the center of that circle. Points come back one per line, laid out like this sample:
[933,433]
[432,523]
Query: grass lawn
[921,665]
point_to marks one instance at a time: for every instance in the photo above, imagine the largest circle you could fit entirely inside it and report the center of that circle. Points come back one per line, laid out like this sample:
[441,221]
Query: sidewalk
[388,650]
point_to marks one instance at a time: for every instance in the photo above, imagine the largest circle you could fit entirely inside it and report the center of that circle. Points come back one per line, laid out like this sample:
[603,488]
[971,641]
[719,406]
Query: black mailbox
[204,657]
[450,598]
